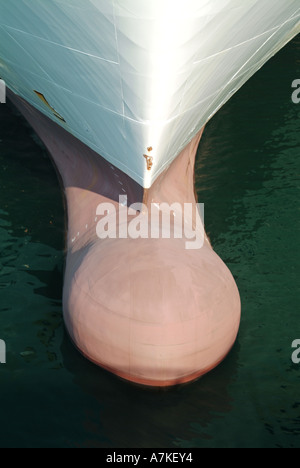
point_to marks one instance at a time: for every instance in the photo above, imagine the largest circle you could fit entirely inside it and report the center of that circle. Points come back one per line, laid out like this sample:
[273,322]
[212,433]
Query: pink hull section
[147,310]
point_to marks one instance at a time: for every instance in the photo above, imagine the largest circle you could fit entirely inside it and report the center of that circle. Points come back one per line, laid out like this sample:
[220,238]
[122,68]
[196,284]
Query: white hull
[126,75]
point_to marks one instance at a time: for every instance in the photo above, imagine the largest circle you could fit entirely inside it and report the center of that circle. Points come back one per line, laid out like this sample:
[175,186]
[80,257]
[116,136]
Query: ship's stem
[148,310]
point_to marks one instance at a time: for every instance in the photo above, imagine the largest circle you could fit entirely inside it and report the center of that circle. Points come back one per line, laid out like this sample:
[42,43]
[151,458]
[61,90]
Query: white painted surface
[129,74]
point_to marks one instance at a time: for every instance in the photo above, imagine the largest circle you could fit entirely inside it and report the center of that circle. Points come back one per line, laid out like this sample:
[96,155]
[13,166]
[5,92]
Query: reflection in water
[129,415]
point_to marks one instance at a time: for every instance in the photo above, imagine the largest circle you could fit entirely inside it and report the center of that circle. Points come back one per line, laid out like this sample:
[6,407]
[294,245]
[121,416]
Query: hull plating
[123,75]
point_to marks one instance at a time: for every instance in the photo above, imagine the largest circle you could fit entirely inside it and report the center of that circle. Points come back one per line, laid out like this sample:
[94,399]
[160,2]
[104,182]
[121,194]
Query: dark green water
[248,177]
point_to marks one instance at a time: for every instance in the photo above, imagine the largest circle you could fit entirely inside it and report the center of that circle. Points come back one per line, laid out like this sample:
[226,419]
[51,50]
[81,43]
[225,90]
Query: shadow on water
[129,415]
[29,189]
[52,282]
